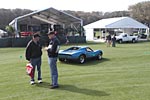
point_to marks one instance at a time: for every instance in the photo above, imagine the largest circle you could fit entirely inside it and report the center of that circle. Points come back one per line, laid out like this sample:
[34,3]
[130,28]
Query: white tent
[51,16]
[125,23]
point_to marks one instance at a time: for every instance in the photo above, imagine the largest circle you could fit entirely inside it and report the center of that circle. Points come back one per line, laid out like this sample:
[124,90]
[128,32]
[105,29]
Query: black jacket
[53,47]
[108,37]
[33,50]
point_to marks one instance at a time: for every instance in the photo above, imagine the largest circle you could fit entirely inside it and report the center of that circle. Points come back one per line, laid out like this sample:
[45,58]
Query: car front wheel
[99,57]
[133,41]
[120,41]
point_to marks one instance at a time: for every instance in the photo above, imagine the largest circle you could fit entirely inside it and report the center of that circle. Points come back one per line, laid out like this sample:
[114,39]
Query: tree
[141,12]
[7,15]
[10,30]
[116,14]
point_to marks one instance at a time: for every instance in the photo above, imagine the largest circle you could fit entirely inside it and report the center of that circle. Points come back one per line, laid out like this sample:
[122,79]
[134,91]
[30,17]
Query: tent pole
[105,32]
[82,33]
[148,33]
[16,29]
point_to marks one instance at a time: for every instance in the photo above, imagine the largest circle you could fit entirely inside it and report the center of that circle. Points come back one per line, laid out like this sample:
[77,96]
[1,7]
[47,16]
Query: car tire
[120,41]
[99,57]
[62,60]
[81,59]
[133,40]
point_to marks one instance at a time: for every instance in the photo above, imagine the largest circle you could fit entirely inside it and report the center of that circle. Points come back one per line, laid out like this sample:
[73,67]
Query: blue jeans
[36,62]
[53,69]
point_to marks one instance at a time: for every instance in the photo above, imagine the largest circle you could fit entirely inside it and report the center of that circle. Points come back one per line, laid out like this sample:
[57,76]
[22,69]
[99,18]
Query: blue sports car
[79,54]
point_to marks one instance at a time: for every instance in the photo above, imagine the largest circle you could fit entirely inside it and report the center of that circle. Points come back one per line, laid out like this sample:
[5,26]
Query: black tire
[120,41]
[82,59]
[99,57]
[133,40]
[61,59]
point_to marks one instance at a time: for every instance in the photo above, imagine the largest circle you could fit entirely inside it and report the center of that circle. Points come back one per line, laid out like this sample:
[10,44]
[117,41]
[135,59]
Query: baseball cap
[49,33]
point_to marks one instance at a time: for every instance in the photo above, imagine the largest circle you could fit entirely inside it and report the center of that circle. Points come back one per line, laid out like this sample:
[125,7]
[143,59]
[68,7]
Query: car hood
[117,36]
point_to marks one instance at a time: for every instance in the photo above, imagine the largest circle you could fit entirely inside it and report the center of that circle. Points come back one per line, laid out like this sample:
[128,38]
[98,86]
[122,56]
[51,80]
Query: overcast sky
[76,5]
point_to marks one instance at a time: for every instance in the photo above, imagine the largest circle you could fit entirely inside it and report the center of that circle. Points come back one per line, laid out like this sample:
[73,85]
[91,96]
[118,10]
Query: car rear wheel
[99,57]
[81,59]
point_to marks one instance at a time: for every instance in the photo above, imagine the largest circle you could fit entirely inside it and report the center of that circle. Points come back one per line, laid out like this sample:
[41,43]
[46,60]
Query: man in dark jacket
[33,55]
[108,40]
[52,50]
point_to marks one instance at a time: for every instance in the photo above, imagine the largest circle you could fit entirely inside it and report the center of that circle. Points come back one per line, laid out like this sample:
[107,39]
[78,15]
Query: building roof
[119,22]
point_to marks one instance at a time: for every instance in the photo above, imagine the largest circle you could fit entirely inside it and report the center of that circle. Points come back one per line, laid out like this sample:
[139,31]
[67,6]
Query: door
[125,37]
[89,53]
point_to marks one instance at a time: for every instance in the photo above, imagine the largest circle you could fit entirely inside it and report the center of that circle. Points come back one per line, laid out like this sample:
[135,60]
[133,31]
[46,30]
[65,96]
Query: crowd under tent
[114,25]
[52,17]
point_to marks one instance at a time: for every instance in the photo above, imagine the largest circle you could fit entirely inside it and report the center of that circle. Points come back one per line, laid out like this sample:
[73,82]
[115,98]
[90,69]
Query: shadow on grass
[87,63]
[75,89]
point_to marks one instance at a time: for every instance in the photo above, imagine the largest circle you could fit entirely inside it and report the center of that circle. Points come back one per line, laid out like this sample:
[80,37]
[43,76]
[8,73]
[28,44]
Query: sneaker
[32,83]
[54,87]
[39,81]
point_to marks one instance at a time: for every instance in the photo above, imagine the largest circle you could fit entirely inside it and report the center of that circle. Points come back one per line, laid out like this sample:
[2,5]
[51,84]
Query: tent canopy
[127,25]
[119,22]
[51,16]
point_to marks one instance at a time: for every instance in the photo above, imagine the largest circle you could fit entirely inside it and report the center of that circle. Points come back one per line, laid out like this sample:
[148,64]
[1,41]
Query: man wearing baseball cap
[52,50]
[33,55]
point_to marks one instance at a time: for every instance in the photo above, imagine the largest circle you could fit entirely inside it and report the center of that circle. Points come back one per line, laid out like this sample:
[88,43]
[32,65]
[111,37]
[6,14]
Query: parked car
[79,54]
[124,37]
[3,33]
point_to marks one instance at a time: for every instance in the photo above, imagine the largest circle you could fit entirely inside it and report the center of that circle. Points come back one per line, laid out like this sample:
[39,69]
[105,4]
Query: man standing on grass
[52,50]
[108,40]
[113,39]
[33,55]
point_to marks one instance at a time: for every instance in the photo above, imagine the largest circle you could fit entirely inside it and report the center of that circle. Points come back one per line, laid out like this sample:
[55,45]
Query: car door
[89,53]
[125,37]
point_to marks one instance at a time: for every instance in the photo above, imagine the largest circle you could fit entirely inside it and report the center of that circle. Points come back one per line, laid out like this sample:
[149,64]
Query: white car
[2,33]
[124,37]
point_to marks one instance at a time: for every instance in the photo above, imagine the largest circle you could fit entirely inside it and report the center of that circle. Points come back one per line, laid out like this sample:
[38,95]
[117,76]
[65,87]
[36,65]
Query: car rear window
[74,48]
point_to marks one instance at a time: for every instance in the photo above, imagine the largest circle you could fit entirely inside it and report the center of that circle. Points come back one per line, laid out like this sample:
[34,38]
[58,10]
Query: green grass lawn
[123,74]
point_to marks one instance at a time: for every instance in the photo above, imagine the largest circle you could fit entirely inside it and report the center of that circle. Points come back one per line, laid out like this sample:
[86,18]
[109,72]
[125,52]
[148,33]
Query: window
[89,50]
[74,48]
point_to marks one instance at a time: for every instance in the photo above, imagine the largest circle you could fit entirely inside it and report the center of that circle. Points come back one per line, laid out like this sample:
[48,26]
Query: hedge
[22,42]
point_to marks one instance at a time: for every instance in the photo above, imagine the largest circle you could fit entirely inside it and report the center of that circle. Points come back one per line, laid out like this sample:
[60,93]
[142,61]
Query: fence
[22,42]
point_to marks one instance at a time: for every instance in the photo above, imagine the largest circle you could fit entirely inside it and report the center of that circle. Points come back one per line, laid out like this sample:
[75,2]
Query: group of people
[111,40]
[33,55]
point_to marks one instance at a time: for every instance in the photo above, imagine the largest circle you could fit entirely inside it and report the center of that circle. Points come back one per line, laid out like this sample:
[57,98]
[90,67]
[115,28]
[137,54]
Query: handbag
[29,69]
